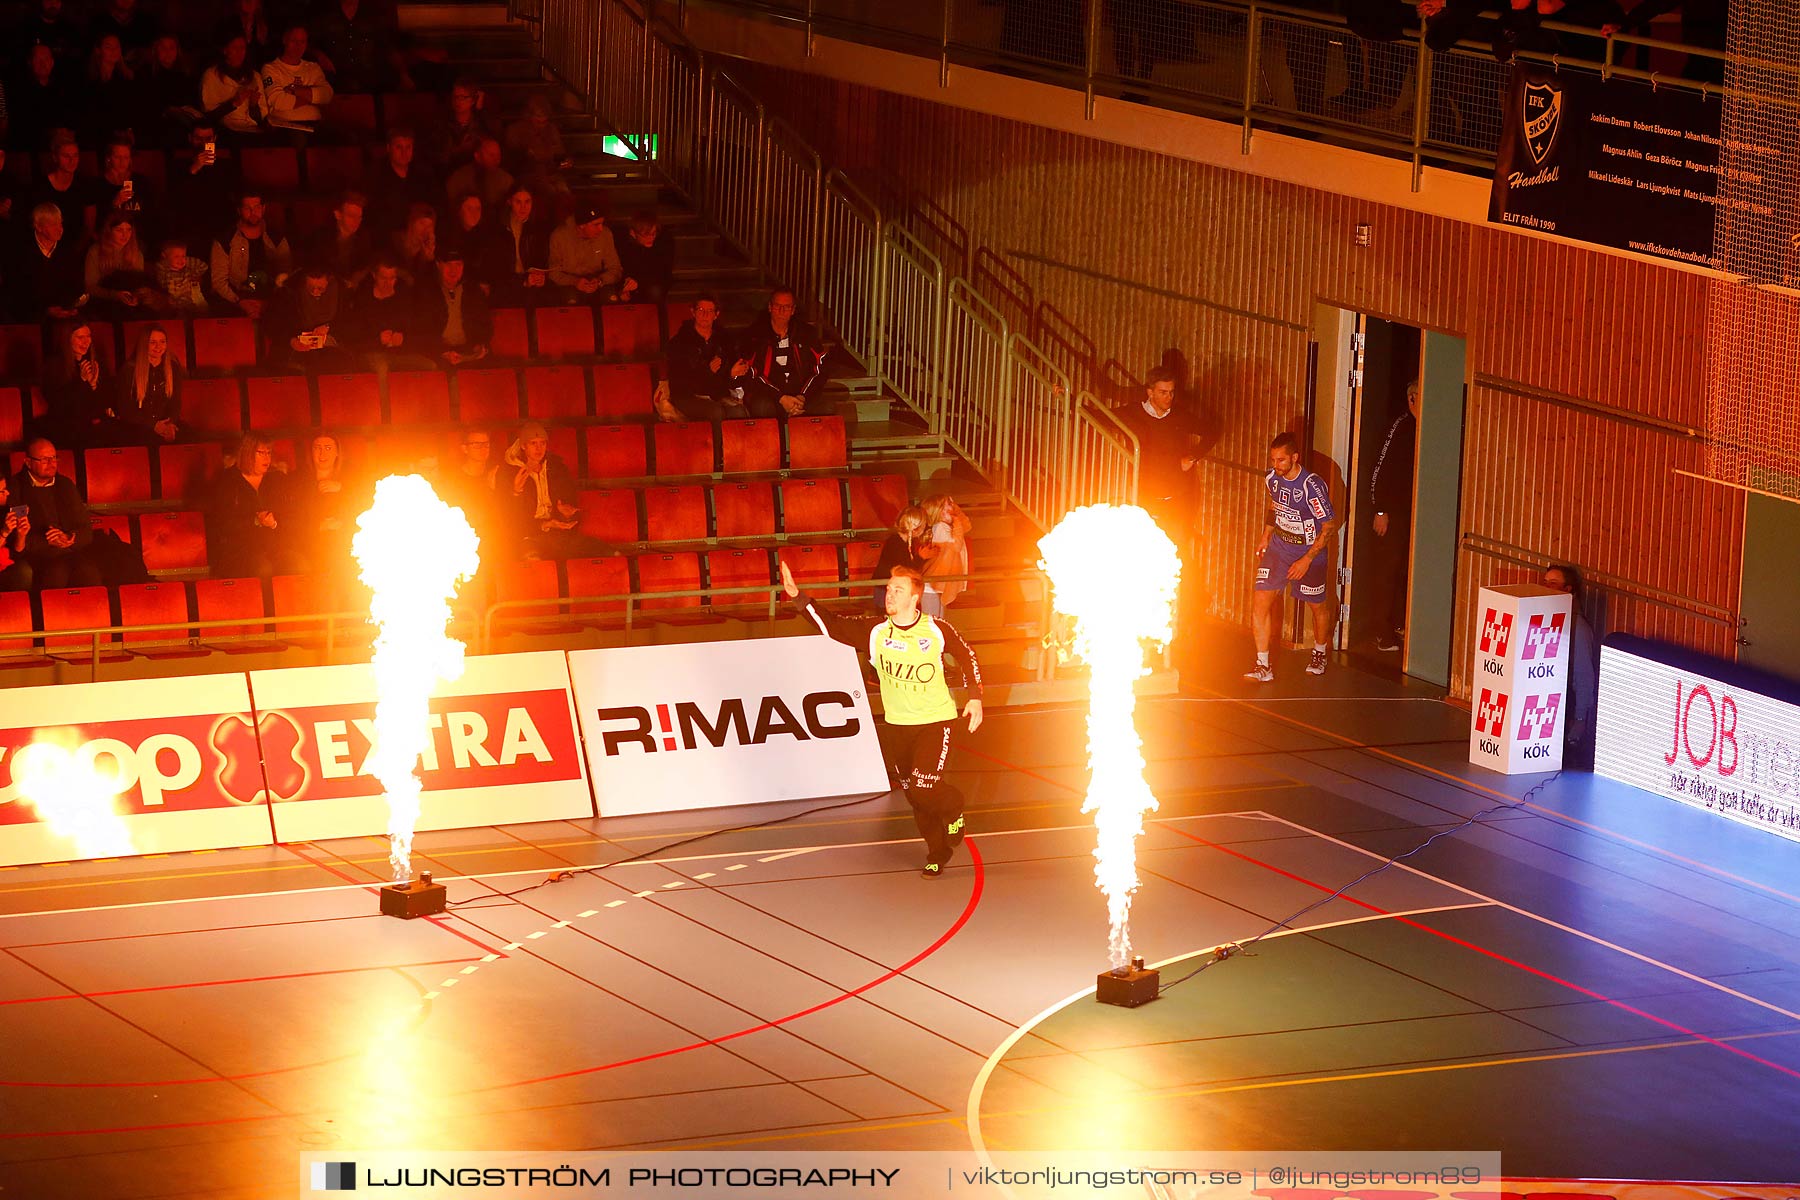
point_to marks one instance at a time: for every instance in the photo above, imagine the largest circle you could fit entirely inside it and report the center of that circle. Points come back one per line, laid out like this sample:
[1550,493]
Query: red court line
[967,749]
[328,868]
[1495,955]
[943,940]
[203,983]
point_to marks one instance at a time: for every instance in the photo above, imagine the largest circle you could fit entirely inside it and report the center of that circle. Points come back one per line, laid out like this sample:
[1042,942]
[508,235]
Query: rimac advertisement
[1612,162]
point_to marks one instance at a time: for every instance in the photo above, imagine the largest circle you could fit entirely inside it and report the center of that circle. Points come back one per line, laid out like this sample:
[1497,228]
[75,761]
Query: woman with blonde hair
[945,551]
[115,275]
[901,549]
[151,399]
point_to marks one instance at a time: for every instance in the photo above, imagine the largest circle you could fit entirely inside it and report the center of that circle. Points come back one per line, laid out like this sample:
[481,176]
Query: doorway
[1770,638]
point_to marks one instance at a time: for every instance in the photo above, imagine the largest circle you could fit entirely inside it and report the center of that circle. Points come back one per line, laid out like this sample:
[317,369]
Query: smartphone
[18,510]
[125,188]
[209,148]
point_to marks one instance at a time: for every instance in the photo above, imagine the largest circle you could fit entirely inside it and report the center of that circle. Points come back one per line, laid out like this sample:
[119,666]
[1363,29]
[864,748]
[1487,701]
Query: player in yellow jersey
[907,649]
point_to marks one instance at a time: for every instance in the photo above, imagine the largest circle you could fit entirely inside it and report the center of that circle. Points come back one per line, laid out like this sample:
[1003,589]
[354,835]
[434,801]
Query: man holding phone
[59,536]
[15,573]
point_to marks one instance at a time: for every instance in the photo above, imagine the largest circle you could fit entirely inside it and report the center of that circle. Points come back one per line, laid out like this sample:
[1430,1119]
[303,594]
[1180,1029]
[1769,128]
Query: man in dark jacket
[452,320]
[786,374]
[1169,444]
[303,325]
[706,378]
[45,275]
[59,548]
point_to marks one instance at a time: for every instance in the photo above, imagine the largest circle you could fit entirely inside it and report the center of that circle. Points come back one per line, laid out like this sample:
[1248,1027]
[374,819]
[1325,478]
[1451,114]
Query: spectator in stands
[469,485]
[416,243]
[37,101]
[380,320]
[357,48]
[458,136]
[471,232]
[118,189]
[15,572]
[246,19]
[901,549]
[294,87]
[584,263]
[481,176]
[59,544]
[46,274]
[543,496]
[521,252]
[231,93]
[49,28]
[648,260]
[1584,671]
[62,185]
[706,378]
[1169,445]
[150,389]
[786,377]
[536,147]
[301,331]
[344,246]
[109,94]
[452,318]
[122,21]
[204,184]
[250,261]
[79,390]
[397,183]
[324,501]
[117,281]
[177,279]
[168,94]
[946,553]
[247,519]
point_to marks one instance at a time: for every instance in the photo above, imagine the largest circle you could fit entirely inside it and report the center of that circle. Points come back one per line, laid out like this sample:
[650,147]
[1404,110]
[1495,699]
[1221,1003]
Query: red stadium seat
[512,334]
[12,416]
[411,110]
[400,450]
[529,580]
[751,446]
[875,500]
[279,402]
[309,214]
[224,343]
[228,599]
[555,394]
[622,392]
[352,401]
[675,514]
[677,312]
[735,569]
[565,443]
[630,331]
[17,630]
[185,469]
[309,595]
[811,506]
[117,524]
[615,452]
[157,604]
[488,397]
[564,332]
[276,168]
[598,577]
[334,168]
[283,451]
[861,558]
[813,567]
[117,475]
[684,448]
[21,350]
[173,541]
[418,397]
[215,407]
[353,113]
[817,444]
[610,514]
[151,166]
[744,510]
[669,573]
[79,608]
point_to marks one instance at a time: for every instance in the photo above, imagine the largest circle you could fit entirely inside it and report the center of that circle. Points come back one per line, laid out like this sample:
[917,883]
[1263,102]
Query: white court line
[1568,929]
[790,854]
[1256,815]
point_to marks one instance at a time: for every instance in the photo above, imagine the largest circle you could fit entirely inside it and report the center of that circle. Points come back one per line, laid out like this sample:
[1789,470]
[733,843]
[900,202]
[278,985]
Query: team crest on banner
[1542,115]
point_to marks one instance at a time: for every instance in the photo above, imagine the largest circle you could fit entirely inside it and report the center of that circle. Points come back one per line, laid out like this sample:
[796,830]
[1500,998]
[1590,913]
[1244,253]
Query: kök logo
[1490,714]
[1537,717]
[1543,640]
[1496,632]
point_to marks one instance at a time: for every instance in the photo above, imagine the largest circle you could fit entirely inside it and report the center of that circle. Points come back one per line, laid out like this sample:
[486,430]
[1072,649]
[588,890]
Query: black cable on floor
[571,872]
[1232,949]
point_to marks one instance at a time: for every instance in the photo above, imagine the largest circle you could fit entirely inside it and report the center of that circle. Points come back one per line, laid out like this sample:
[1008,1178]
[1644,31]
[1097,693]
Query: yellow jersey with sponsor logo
[910,662]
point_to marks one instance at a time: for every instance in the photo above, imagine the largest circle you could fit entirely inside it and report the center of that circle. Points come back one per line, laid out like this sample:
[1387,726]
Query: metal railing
[1001,398]
[127,640]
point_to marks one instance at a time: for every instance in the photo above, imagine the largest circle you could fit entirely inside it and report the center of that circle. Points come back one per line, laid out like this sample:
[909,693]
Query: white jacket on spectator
[217,91]
[277,81]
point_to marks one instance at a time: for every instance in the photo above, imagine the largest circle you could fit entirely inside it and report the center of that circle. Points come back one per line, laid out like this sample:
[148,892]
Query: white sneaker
[1260,673]
[1316,665]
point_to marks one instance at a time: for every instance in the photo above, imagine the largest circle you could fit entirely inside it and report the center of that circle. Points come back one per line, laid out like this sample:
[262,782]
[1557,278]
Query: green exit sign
[619,147]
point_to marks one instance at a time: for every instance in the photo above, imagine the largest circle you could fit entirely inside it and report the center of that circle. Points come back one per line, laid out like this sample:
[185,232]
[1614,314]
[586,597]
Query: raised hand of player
[972,710]
[787,582]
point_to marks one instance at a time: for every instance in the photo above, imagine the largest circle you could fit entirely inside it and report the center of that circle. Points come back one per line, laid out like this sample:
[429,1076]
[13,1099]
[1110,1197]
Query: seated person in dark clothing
[379,324]
[150,389]
[468,484]
[355,43]
[451,319]
[204,183]
[37,100]
[168,96]
[80,393]
[59,545]
[344,246]
[15,572]
[395,184]
[541,492]
[647,255]
[520,253]
[460,132]
[48,272]
[300,329]
[109,94]
[118,190]
[247,519]
[62,184]
[49,26]
[324,497]
[706,378]
[123,20]
[786,379]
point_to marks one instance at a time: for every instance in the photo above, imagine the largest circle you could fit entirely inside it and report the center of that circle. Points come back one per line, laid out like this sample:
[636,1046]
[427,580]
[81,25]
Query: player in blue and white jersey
[1292,554]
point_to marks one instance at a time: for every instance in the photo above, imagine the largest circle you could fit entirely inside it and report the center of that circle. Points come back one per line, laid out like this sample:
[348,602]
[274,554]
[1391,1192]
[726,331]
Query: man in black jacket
[1390,502]
[59,548]
[46,269]
[1169,444]
[452,319]
[706,378]
[786,375]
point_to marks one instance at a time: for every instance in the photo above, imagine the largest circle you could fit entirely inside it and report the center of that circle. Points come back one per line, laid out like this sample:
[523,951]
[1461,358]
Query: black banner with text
[1613,162]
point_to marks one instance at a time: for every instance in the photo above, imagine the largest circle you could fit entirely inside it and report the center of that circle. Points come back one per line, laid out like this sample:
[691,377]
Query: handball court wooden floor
[1598,984]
